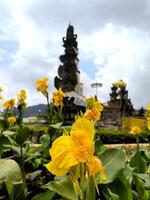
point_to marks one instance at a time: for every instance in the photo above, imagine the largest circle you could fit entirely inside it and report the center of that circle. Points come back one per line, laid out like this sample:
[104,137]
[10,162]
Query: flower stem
[137,142]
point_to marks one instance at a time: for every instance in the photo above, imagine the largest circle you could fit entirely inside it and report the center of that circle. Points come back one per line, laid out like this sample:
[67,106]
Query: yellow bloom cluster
[95,165]
[119,83]
[148,117]
[135,130]
[58,97]
[90,102]
[11,120]
[78,147]
[42,85]
[8,104]
[95,110]
[22,96]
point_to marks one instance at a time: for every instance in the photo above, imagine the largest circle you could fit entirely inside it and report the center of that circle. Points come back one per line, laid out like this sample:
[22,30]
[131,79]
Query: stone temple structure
[68,72]
[119,104]
[69,77]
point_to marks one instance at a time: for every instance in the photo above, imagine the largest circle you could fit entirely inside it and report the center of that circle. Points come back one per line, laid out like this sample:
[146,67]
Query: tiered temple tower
[68,72]
[119,95]
[119,105]
[69,78]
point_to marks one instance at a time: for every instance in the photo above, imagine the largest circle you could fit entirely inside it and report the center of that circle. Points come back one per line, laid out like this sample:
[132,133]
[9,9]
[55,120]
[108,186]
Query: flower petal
[85,126]
[62,152]
[53,167]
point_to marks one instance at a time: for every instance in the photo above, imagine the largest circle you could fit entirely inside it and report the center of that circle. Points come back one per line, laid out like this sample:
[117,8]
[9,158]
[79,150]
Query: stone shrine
[68,72]
[69,77]
[119,105]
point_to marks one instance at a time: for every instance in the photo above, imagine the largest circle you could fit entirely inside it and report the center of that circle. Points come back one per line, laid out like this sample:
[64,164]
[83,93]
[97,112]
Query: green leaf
[15,191]
[9,133]
[63,187]
[90,193]
[128,172]
[113,196]
[45,140]
[48,195]
[57,125]
[138,162]
[10,171]
[16,149]
[114,160]
[98,146]
[145,178]
[140,188]
[22,135]
[121,187]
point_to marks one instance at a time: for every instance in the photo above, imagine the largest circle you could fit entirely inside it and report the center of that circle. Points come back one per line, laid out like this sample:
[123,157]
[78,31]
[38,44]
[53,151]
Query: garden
[81,162]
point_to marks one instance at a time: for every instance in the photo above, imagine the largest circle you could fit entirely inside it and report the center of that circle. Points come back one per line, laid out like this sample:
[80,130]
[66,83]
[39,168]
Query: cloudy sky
[113,42]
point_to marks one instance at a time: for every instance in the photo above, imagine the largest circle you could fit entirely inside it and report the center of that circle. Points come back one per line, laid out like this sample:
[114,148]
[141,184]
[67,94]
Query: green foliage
[142,193]
[121,187]
[48,195]
[138,162]
[15,191]
[45,141]
[112,136]
[22,135]
[90,193]
[63,187]
[114,161]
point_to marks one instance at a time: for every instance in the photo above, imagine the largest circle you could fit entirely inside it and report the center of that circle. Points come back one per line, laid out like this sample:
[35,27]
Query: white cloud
[120,53]
[114,35]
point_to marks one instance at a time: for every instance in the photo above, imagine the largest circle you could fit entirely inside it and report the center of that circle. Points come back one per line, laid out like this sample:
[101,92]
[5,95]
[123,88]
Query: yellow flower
[95,112]
[9,104]
[119,83]
[95,165]
[90,102]
[1,97]
[58,97]
[115,84]
[42,85]
[98,106]
[68,151]
[135,130]
[148,123]
[11,120]
[92,114]
[148,107]
[22,95]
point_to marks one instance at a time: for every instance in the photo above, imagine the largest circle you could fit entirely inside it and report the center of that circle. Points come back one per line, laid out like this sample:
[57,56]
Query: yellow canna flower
[95,112]
[148,107]
[67,151]
[92,114]
[22,95]
[8,104]
[90,102]
[58,97]
[135,130]
[1,97]
[98,106]
[11,120]
[148,123]
[95,165]
[42,85]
